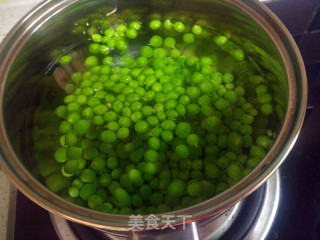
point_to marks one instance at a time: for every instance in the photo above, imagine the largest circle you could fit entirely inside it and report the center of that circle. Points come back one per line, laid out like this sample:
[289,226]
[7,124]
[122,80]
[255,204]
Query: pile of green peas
[159,130]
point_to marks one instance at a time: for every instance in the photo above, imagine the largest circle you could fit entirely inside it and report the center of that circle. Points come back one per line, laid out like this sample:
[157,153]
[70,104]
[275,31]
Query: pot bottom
[249,219]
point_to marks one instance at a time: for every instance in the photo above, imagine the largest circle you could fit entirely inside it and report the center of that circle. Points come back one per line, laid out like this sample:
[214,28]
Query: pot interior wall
[29,82]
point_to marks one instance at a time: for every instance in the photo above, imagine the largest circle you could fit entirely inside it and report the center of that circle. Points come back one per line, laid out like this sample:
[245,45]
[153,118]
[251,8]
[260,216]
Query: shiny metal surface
[215,227]
[268,1]
[211,228]
[18,84]
[268,209]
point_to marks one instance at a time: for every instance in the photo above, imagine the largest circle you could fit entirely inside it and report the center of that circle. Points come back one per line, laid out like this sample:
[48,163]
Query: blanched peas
[164,126]
[88,176]
[135,176]
[234,171]
[122,198]
[151,155]
[196,29]
[64,60]
[108,136]
[183,129]
[195,189]
[169,42]
[131,33]
[123,133]
[179,26]
[257,151]
[182,151]
[156,41]
[176,188]
[154,143]
[61,155]
[141,127]
[155,24]
[266,109]
[81,126]
[192,140]
[91,61]
[193,92]
[167,24]
[263,141]
[188,38]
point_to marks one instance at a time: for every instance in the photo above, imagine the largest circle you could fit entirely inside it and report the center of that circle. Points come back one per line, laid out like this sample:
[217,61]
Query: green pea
[192,140]
[124,122]
[122,198]
[166,135]
[81,126]
[136,116]
[167,24]
[74,152]
[220,40]
[175,53]
[196,29]
[234,171]
[212,171]
[188,38]
[108,136]
[95,201]
[123,133]
[193,109]
[121,45]
[263,141]
[239,55]
[87,191]
[156,198]
[135,176]
[156,41]
[91,61]
[131,33]
[151,155]
[195,189]
[183,129]
[65,60]
[71,139]
[135,25]
[257,151]
[179,26]
[146,52]
[169,42]
[176,188]
[182,151]
[193,92]
[152,120]
[266,109]
[61,155]
[64,127]
[98,164]
[155,24]
[71,166]
[73,192]
[253,162]
[145,192]
[141,126]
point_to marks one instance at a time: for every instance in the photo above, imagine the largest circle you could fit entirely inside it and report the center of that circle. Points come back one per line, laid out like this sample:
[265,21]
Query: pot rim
[38,193]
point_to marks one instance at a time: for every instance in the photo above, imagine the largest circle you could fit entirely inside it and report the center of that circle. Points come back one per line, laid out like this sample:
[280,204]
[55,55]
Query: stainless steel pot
[22,57]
